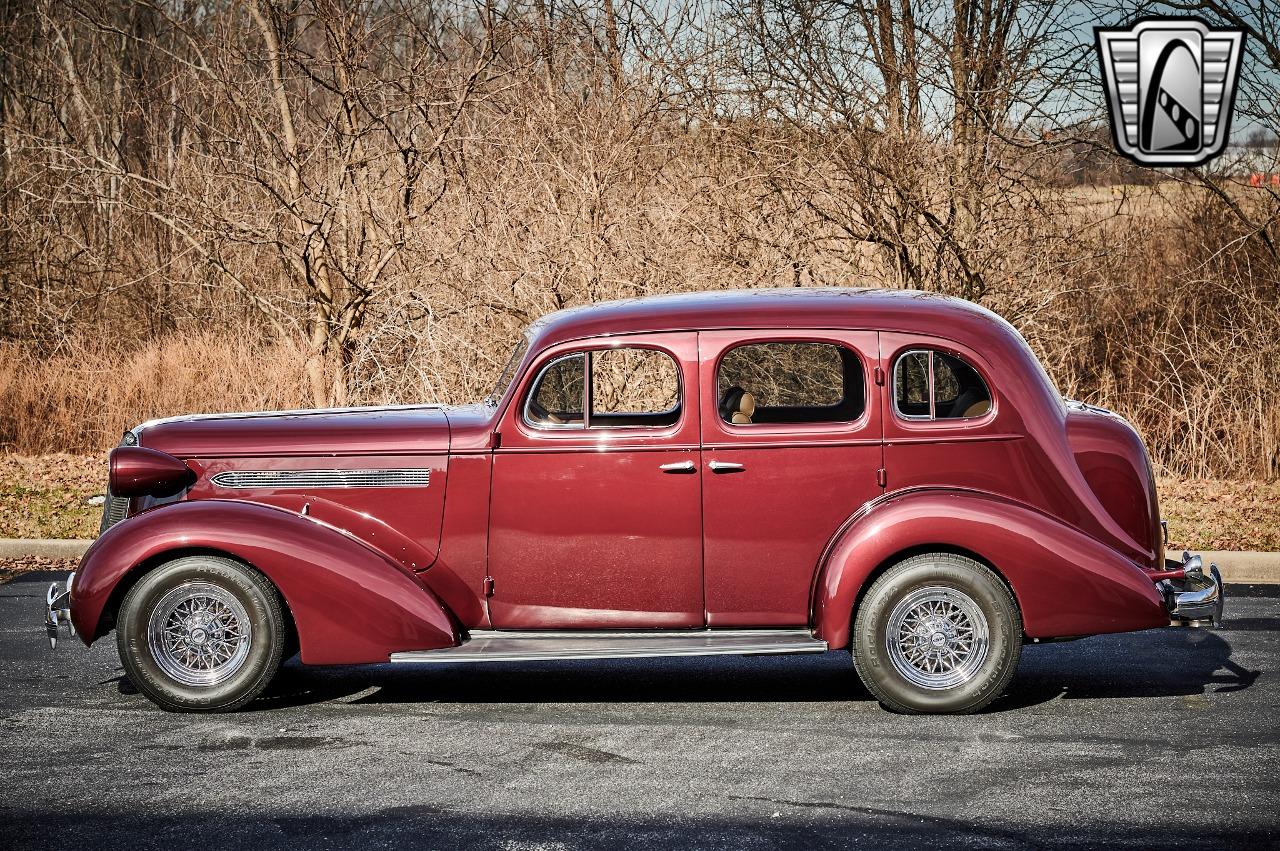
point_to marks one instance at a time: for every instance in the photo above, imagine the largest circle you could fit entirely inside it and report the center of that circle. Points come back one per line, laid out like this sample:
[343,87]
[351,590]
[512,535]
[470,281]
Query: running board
[485,645]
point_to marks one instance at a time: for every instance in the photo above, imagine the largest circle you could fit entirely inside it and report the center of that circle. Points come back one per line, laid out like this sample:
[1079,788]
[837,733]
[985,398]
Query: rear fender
[351,603]
[1065,583]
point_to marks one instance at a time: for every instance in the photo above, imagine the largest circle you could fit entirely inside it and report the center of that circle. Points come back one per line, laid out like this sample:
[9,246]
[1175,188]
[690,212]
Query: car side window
[627,387]
[634,387]
[790,382]
[556,400]
[933,385]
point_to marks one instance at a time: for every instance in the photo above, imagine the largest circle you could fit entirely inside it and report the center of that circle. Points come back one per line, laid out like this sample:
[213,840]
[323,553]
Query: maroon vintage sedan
[886,472]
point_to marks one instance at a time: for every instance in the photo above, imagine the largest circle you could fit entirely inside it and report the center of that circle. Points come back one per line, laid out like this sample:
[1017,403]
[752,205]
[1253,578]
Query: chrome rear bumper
[1197,598]
[57,610]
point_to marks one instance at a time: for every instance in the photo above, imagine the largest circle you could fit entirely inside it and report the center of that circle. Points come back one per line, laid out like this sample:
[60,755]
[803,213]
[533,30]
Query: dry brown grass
[83,396]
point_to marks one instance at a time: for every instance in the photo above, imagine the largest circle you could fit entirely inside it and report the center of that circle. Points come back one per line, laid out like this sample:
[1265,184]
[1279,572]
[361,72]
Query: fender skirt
[350,603]
[1066,583]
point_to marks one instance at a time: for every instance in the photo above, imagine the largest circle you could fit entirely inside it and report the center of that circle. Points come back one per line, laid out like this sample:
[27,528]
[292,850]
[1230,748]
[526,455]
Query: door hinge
[882,477]
[879,376]
[488,586]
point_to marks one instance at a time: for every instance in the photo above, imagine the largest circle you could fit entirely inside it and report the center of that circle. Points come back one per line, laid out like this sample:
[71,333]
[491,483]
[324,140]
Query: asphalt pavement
[1166,738]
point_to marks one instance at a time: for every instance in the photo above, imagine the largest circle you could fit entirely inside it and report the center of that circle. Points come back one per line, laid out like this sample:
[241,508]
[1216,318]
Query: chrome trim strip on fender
[401,478]
[526,646]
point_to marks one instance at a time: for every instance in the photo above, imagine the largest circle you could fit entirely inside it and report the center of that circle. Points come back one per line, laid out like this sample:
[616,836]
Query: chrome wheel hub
[937,637]
[199,634]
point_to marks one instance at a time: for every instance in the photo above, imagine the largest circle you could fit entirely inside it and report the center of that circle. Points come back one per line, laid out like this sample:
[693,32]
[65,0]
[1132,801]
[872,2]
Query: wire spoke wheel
[199,634]
[937,637]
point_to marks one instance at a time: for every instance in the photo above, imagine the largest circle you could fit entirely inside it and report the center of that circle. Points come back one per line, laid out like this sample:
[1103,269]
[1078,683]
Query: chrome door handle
[725,467]
[679,467]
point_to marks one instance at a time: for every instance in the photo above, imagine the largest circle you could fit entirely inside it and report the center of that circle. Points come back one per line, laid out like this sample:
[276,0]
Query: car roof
[799,307]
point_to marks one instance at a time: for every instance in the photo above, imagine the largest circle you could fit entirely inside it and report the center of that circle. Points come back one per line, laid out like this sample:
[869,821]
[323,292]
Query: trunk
[615,50]
[317,350]
[1113,461]
[330,355]
[910,69]
[889,64]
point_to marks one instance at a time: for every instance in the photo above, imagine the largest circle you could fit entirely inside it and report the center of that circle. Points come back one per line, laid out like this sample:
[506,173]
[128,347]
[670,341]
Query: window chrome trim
[932,415]
[315,479]
[537,383]
[589,388]
[897,367]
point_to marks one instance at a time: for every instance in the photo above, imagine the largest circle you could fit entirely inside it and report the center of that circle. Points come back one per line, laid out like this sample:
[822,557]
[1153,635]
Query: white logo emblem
[1170,87]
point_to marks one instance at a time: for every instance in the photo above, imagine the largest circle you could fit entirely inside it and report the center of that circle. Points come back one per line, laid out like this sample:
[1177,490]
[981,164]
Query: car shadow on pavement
[1175,662]
[707,680]
[760,823]
[1157,663]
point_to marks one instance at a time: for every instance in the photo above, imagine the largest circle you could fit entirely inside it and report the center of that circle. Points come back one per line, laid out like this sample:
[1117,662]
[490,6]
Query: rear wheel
[937,633]
[201,634]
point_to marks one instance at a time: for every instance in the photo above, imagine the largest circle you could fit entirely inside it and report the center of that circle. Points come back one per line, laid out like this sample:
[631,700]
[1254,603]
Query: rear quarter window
[929,384]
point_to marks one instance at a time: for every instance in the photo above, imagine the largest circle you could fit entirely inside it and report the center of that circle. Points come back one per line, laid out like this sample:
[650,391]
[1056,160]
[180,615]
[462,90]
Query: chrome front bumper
[1196,598]
[57,610]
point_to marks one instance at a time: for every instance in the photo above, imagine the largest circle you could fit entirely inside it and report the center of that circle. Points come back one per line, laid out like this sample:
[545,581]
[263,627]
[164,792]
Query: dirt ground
[11,567]
[46,496]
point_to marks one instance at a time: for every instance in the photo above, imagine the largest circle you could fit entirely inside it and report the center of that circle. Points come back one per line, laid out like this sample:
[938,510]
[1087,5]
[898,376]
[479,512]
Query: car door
[944,421]
[785,468]
[596,516]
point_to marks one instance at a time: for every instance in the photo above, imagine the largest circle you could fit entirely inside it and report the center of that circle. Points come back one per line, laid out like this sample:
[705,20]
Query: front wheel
[937,633]
[201,634]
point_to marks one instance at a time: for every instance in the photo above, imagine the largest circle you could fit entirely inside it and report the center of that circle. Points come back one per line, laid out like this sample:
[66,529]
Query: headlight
[136,471]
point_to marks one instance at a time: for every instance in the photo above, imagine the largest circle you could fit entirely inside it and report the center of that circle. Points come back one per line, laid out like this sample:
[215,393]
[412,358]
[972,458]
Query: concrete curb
[1240,567]
[42,548]
[1243,567]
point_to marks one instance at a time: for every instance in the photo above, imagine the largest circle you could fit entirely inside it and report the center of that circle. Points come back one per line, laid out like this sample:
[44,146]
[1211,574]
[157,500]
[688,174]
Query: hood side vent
[272,479]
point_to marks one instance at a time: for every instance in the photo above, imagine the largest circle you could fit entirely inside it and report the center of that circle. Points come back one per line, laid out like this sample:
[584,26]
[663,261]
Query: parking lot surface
[1167,738]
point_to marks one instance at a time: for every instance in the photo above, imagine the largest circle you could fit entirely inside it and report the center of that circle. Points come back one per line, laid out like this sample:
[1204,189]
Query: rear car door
[944,421]
[791,446]
[596,519]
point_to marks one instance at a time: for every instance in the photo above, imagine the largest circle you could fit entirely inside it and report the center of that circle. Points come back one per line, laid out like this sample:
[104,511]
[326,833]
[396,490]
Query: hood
[396,430]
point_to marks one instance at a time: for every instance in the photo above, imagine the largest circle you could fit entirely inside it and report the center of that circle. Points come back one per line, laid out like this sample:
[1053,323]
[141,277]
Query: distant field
[46,497]
[1115,205]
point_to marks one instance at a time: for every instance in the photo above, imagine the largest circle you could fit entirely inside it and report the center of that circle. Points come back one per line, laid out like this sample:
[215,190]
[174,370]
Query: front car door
[596,519]
[791,447]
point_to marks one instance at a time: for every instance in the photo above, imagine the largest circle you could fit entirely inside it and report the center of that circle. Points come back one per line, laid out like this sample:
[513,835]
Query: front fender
[350,603]
[1066,583]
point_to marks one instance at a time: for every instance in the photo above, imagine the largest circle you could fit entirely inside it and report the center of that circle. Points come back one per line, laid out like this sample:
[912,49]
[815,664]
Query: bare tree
[206,205]
[917,123]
